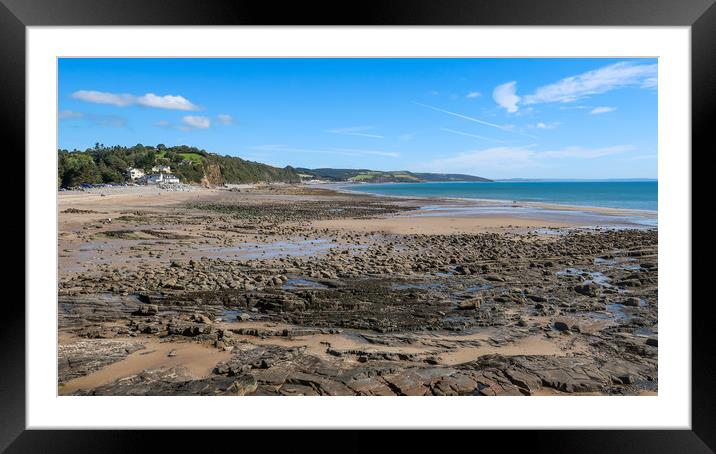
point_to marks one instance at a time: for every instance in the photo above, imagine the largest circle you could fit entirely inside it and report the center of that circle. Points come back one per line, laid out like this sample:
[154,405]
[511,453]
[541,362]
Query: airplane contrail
[477,120]
[462,116]
[462,133]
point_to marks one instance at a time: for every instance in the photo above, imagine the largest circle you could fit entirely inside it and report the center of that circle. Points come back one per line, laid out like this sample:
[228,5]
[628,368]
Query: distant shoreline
[577,180]
[517,203]
[435,207]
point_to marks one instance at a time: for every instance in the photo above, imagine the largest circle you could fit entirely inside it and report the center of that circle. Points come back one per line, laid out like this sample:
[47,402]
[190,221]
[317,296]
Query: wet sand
[297,290]
[197,360]
[437,225]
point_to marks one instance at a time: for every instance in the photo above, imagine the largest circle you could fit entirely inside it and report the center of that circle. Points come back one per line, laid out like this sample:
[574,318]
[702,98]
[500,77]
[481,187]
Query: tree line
[103,164]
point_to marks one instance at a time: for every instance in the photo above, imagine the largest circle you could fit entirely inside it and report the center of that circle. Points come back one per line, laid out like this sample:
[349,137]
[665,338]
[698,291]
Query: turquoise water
[635,195]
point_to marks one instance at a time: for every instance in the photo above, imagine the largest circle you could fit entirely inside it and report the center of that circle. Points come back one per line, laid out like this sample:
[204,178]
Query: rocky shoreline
[244,292]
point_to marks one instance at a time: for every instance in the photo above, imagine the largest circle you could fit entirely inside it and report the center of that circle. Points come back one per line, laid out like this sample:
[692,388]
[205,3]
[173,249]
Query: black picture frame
[700,15]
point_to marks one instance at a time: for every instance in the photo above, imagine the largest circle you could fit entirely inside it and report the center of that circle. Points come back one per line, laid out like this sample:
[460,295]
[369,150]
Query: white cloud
[485,161]
[225,119]
[598,81]
[355,131]
[543,125]
[99,97]
[474,94]
[196,122]
[69,115]
[166,102]
[573,107]
[126,99]
[601,110]
[569,89]
[509,159]
[94,119]
[650,82]
[505,96]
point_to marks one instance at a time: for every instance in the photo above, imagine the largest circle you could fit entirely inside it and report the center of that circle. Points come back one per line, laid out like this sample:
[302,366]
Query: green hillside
[377,176]
[102,164]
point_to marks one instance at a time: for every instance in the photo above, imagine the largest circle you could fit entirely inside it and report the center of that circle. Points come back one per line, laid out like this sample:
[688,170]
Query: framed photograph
[454,215]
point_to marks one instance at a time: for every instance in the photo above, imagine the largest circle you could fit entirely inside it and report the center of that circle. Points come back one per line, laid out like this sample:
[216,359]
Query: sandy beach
[301,290]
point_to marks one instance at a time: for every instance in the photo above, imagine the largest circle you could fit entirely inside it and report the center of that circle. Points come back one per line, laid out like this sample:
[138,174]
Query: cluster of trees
[237,170]
[102,164]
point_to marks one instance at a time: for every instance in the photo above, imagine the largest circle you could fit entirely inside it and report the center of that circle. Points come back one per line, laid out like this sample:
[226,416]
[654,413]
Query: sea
[632,195]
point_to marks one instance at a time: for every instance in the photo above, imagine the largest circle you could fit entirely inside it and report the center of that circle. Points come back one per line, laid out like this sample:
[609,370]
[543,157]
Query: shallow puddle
[615,311]
[230,315]
[590,276]
[536,345]
[448,348]
[645,331]
[298,284]
[199,361]
[477,288]
[613,261]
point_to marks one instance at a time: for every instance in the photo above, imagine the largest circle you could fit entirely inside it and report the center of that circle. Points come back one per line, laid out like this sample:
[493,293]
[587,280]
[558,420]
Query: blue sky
[497,118]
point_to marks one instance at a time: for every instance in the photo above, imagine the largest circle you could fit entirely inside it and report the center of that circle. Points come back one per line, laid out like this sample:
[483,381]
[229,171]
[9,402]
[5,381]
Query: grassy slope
[109,164]
[374,176]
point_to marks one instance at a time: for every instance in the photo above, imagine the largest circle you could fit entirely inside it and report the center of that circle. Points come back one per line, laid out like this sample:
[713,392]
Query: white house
[170,178]
[161,169]
[159,178]
[134,174]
